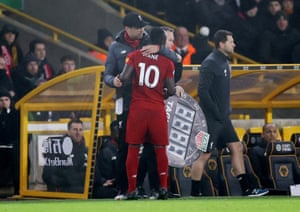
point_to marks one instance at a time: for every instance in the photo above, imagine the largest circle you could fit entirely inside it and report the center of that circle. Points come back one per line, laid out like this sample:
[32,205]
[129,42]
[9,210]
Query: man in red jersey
[151,75]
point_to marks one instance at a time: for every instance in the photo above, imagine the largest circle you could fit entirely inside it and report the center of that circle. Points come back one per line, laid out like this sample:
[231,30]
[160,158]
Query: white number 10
[145,75]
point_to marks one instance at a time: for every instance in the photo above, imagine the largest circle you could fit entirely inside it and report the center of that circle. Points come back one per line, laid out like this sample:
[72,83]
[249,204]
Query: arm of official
[110,73]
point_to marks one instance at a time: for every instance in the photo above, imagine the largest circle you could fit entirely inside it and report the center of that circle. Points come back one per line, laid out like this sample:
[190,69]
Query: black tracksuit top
[214,86]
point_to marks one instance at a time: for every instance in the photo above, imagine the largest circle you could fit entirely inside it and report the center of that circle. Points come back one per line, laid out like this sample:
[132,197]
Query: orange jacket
[98,55]
[187,60]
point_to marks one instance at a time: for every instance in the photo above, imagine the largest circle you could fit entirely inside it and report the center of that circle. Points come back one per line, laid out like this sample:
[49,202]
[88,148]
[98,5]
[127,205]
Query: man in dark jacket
[26,77]
[65,160]
[276,46]
[9,141]
[214,96]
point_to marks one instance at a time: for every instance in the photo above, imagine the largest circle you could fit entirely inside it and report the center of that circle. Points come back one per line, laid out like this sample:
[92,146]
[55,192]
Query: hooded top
[8,28]
[102,35]
[12,53]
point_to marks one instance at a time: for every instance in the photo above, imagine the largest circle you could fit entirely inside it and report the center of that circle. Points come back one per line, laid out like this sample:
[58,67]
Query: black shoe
[163,194]
[132,196]
[141,193]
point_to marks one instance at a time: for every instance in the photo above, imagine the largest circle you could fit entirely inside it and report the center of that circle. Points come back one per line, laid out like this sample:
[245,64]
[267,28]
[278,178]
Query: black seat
[283,165]
[230,184]
[180,182]
[252,139]
[213,173]
[296,139]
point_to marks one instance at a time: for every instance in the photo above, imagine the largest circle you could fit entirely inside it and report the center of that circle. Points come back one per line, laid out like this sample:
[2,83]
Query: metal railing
[56,32]
[236,58]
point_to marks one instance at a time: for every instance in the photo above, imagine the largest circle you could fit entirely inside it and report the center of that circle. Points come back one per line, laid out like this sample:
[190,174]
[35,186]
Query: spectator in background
[277,46]
[10,49]
[5,81]
[182,45]
[27,77]
[293,11]
[273,7]
[38,49]
[169,44]
[215,14]
[180,13]
[104,40]
[67,64]
[262,6]
[200,42]
[9,140]
[257,153]
[247,27]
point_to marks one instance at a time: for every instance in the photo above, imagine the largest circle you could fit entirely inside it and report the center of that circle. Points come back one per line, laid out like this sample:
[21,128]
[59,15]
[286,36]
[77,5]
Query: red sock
[162,165]
[132,163]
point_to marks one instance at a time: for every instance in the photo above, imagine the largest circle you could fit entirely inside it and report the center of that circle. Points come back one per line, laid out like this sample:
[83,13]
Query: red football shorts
[151,121]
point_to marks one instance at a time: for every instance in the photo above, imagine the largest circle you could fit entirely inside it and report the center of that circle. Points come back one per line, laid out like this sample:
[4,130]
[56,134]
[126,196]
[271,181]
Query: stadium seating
[288,131]
[252,139]
[230,184]
[240,132]
[180,181]
[283,165]
[296,139]
[212,171]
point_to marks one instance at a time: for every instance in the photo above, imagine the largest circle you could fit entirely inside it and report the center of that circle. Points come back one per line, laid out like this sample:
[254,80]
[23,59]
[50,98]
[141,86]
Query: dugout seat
[180,182]
[240,132]
[283,165]
[180,178]
[213,172]
[295,138]
[230,184]
[252,139]
[288,131]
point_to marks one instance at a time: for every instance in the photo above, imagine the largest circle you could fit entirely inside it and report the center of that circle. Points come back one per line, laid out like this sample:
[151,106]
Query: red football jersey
[150,74]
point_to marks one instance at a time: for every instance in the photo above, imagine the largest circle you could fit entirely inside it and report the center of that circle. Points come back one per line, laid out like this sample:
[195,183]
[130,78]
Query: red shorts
[144,121]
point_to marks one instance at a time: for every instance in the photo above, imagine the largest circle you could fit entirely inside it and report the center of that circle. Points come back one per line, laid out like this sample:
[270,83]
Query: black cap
[281,15]
[9,28]
[4,92]
[30,58]
[247,5]
[135,20]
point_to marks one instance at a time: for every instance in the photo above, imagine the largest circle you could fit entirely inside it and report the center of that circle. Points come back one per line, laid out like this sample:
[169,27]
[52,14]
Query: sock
[244,182]
[162,166]
[196,188]
[132,163]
